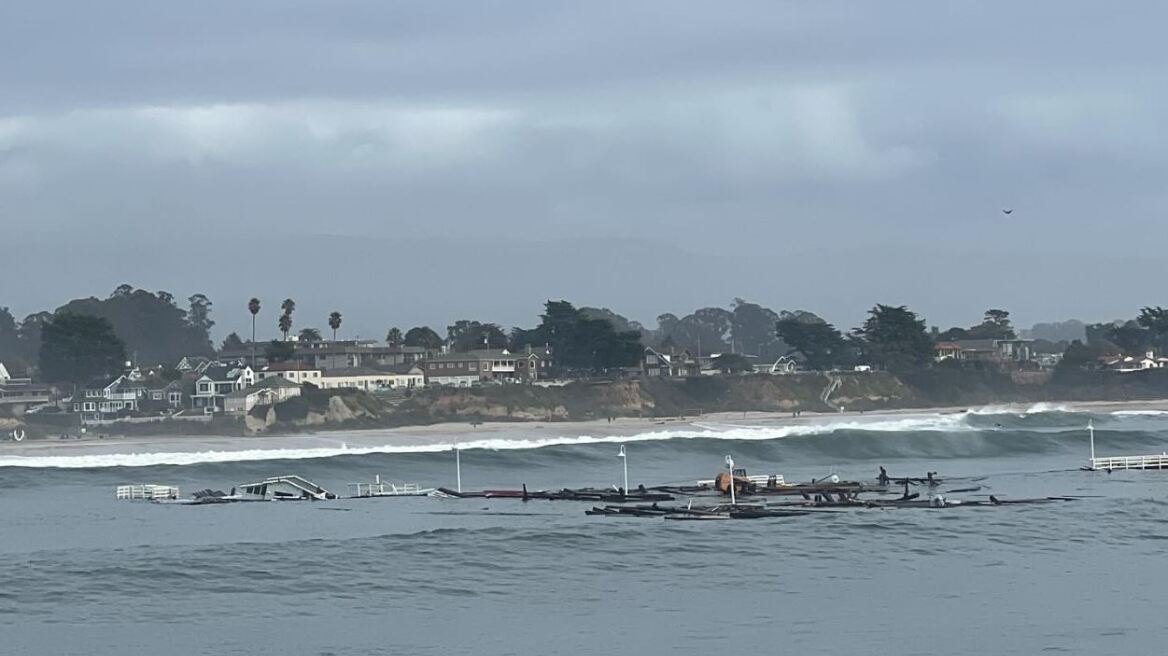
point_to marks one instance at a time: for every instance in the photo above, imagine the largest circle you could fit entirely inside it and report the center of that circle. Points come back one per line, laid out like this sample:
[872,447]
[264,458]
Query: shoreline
[443,436]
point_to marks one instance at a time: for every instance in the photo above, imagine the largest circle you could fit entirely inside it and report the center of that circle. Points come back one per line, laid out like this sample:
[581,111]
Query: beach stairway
[833,384]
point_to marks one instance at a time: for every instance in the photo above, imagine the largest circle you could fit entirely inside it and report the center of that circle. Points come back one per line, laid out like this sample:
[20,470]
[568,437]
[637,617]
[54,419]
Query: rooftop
[275,382]
[288,366]
[352,371]
[483,354]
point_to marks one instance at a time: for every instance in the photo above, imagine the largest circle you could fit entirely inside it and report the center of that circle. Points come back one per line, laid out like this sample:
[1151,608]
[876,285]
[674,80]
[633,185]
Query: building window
[474,366]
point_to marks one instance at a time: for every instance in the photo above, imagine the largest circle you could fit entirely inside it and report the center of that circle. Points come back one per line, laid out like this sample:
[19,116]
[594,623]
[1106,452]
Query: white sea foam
[934,422]
[249,455]
[1020,410]
[1140,413]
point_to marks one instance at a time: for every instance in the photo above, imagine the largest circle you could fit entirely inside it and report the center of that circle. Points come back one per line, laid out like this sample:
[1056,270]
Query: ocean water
[82,573]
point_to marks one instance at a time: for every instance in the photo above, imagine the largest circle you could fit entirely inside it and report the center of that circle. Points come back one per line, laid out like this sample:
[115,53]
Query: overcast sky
[420,162]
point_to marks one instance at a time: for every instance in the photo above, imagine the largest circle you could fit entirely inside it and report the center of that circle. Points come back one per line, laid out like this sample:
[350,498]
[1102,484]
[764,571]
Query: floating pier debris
[1112,463]
[146,492]
[754,511]
[379,489]
[285,488]
[584,494]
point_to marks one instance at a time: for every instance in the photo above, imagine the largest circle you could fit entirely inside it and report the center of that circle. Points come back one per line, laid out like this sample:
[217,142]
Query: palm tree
[394,337]
[253,306]
[309,335]
[334,323]
[288,306]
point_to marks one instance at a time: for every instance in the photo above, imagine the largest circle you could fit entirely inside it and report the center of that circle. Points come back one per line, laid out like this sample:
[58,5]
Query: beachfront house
[293,372]
[786,364]
[655,363]
[1130,363]
[216,382]
[107,399]
[163,393]
[397,377]
[269,391]
[18,395]
[993,351]
[946,351]
[486,365]
[327,354]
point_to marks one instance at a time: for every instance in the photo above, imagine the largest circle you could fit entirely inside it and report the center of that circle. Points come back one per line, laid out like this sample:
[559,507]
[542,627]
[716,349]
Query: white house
[1129,363]
[293,372]
[4,375]
[216,382]
[405,376]
[269,391]
[786,364]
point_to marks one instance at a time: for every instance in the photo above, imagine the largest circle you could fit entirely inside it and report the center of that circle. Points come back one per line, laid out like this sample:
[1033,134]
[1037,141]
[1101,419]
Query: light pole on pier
[623,456]
[458,466]
[730,471]
[1091,432]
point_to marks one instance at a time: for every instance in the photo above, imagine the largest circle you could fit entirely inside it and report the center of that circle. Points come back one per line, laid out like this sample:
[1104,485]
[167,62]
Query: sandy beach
[443,436]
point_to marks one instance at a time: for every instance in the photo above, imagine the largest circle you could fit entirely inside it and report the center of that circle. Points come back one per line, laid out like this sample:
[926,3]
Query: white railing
[1159,461]
[379,489]
[147,492]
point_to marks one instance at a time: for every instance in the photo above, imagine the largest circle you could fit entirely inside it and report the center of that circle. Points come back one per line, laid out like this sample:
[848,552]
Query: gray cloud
[649,156]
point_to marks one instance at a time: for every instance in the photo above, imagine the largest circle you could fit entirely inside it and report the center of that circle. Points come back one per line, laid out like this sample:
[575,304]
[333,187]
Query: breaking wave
[995,428]
[700,431]
[1022,409]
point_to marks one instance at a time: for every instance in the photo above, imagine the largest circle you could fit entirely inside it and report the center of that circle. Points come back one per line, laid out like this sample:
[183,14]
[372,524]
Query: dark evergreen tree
[80,348]
[820,343]
[466,335]
[231,343]
[152,327]
[424,337]
[895,338]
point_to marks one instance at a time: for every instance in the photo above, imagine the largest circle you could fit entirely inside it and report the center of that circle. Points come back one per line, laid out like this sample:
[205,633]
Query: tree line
[128,324]
[151,327]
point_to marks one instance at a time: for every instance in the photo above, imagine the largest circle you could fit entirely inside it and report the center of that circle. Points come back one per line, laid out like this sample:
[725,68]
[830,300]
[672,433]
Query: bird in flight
[1009,211]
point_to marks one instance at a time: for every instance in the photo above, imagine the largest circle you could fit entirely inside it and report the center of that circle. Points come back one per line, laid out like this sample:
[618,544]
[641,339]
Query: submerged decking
[1112,463]
[146,492]
[1157,461]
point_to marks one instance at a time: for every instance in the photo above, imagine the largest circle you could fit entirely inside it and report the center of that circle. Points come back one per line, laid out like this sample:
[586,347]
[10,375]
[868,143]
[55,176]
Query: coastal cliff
[583,401]
[654,397]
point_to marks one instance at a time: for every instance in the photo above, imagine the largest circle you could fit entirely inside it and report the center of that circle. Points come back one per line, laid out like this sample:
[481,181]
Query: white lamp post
[623,456]
[1091,431]
[730,470]
[458,465]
